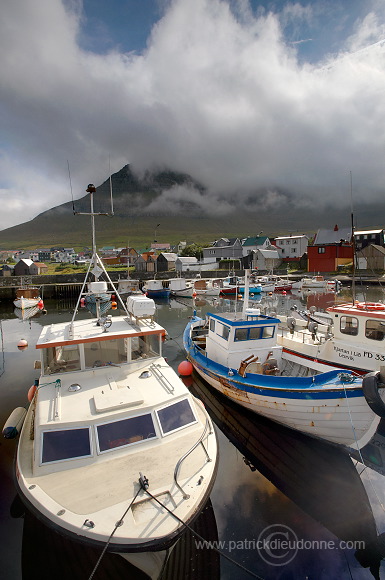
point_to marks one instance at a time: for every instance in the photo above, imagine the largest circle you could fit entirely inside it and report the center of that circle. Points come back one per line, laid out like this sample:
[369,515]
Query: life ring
[370,384]
[370,306]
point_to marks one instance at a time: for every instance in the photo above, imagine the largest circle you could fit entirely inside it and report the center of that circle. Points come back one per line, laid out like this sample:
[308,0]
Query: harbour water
[272,484]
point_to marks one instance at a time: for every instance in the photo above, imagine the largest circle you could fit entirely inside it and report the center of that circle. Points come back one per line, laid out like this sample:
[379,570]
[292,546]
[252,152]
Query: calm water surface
[272,482]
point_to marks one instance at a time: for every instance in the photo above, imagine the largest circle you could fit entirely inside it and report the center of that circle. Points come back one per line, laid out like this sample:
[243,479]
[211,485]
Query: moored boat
[239,356]
[156,289]
[107,403]
[182,288]
[28,297]
[351,337]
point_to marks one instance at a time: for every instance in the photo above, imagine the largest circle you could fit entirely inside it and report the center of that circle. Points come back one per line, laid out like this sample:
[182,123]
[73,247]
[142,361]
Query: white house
[292,247]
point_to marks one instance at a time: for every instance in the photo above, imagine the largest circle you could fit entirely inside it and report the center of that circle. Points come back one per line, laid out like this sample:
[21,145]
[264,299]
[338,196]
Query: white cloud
[217,95]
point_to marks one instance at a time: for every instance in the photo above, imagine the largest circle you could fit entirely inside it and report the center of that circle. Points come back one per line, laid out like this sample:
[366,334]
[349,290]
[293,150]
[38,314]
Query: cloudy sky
[245,96]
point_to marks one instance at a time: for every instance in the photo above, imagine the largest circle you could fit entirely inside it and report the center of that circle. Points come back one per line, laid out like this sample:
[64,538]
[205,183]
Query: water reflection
[267,475]
[318,477]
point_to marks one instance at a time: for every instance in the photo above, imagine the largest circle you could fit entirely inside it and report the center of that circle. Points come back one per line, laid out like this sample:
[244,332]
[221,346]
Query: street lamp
[155,240]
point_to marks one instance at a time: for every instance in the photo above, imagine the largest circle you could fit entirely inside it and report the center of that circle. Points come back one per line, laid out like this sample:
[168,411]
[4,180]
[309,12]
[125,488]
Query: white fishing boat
[349,336]
[156,289]
[238,355]
[114,451]
[180,287]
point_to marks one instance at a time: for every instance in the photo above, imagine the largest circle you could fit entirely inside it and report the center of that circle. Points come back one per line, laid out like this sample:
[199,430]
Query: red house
[330,249]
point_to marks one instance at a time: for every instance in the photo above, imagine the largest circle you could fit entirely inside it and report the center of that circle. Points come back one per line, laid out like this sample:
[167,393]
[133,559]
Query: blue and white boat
[237,354]
[155,289]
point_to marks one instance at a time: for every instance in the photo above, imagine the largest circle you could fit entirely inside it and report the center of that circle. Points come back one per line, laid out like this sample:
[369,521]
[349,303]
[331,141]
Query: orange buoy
[32,390]
[114,305]
[22,344]
[185,368]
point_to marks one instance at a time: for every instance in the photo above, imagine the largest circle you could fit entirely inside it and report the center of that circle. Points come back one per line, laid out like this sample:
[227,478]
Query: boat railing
[196,444]
[166,384]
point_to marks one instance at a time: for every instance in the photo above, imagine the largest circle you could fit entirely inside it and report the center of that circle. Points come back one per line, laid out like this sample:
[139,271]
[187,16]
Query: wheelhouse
[231,339]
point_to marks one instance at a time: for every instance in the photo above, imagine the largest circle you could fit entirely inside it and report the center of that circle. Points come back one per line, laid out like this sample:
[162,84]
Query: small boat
[347,336]
[28,297]
[155,289]
[179,287]
[114,451]
[208,287]
[128,286]
[238,355]
[234,285]
[313,282]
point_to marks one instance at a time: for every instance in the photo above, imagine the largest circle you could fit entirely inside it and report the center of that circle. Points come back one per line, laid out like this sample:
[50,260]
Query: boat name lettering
[350,354]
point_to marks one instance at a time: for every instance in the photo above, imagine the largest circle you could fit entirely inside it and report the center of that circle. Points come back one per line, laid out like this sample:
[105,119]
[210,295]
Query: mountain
[173,200]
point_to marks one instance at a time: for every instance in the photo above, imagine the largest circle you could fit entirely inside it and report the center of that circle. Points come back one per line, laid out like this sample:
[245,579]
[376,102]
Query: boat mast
[353,243]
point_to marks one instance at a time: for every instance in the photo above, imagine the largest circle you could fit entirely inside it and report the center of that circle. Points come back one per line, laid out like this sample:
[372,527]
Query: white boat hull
[326,419]
[26,302]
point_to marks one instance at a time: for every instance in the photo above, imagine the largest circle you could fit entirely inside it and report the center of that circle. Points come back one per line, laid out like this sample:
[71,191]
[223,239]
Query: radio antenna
[72,195]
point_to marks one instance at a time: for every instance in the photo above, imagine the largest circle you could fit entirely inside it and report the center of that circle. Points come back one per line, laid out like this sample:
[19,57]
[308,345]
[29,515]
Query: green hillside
[136,216]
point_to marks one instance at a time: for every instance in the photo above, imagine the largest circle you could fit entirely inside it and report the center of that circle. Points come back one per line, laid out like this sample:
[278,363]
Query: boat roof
[368,309]
[109,393]
[238,319]
[81,331]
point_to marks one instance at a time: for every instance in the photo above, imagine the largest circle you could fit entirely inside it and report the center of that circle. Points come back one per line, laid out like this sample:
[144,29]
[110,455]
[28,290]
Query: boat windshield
[61,359]
[103,352]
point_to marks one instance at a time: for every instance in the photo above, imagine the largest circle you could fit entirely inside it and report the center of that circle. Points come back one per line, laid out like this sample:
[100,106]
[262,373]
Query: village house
[185,263]
[166,262]
[363,238]
[371,258]
[223,249]
[330,249]
[145,262]
[22,268]
[292,247]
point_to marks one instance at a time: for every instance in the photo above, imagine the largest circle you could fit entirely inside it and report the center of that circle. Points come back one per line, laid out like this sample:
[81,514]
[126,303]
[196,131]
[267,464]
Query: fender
[370,384]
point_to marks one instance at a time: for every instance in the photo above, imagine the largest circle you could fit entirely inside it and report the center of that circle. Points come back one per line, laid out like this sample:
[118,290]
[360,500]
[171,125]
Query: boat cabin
[236,338]
[363,323]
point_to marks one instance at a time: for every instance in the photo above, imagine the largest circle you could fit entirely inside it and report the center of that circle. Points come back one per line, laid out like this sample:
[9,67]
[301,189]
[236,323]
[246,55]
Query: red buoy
[185,368]
[40,304]
[22,344]
[82,302]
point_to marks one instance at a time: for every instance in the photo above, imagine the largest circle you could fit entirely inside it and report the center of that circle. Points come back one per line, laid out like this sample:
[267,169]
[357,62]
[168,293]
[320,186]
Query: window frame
[90,439]
[182,426]
[117,420]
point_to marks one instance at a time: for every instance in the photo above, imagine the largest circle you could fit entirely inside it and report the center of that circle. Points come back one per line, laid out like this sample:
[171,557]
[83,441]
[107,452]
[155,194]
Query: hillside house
[363,238]
[145,262]
[292,247]
[127,256]
[166,262]
[330,249]
[371,258]
[7,270]
[252,244]
[37,268]
[185,263]
[22,268]
[223,249]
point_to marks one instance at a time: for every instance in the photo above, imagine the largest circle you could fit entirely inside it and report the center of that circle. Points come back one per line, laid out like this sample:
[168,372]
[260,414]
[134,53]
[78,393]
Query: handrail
[169,387]
[180,461]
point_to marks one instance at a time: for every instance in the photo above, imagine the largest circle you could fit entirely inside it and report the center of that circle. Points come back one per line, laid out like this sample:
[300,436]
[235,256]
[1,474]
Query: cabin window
[144,346]
[375,329]
[241,334]
[267,331]
[65,444]
[125,432]
[223,331]
[105,352]
[255,333]
[176,416]
[61,359]
[212,324]
[349,325]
